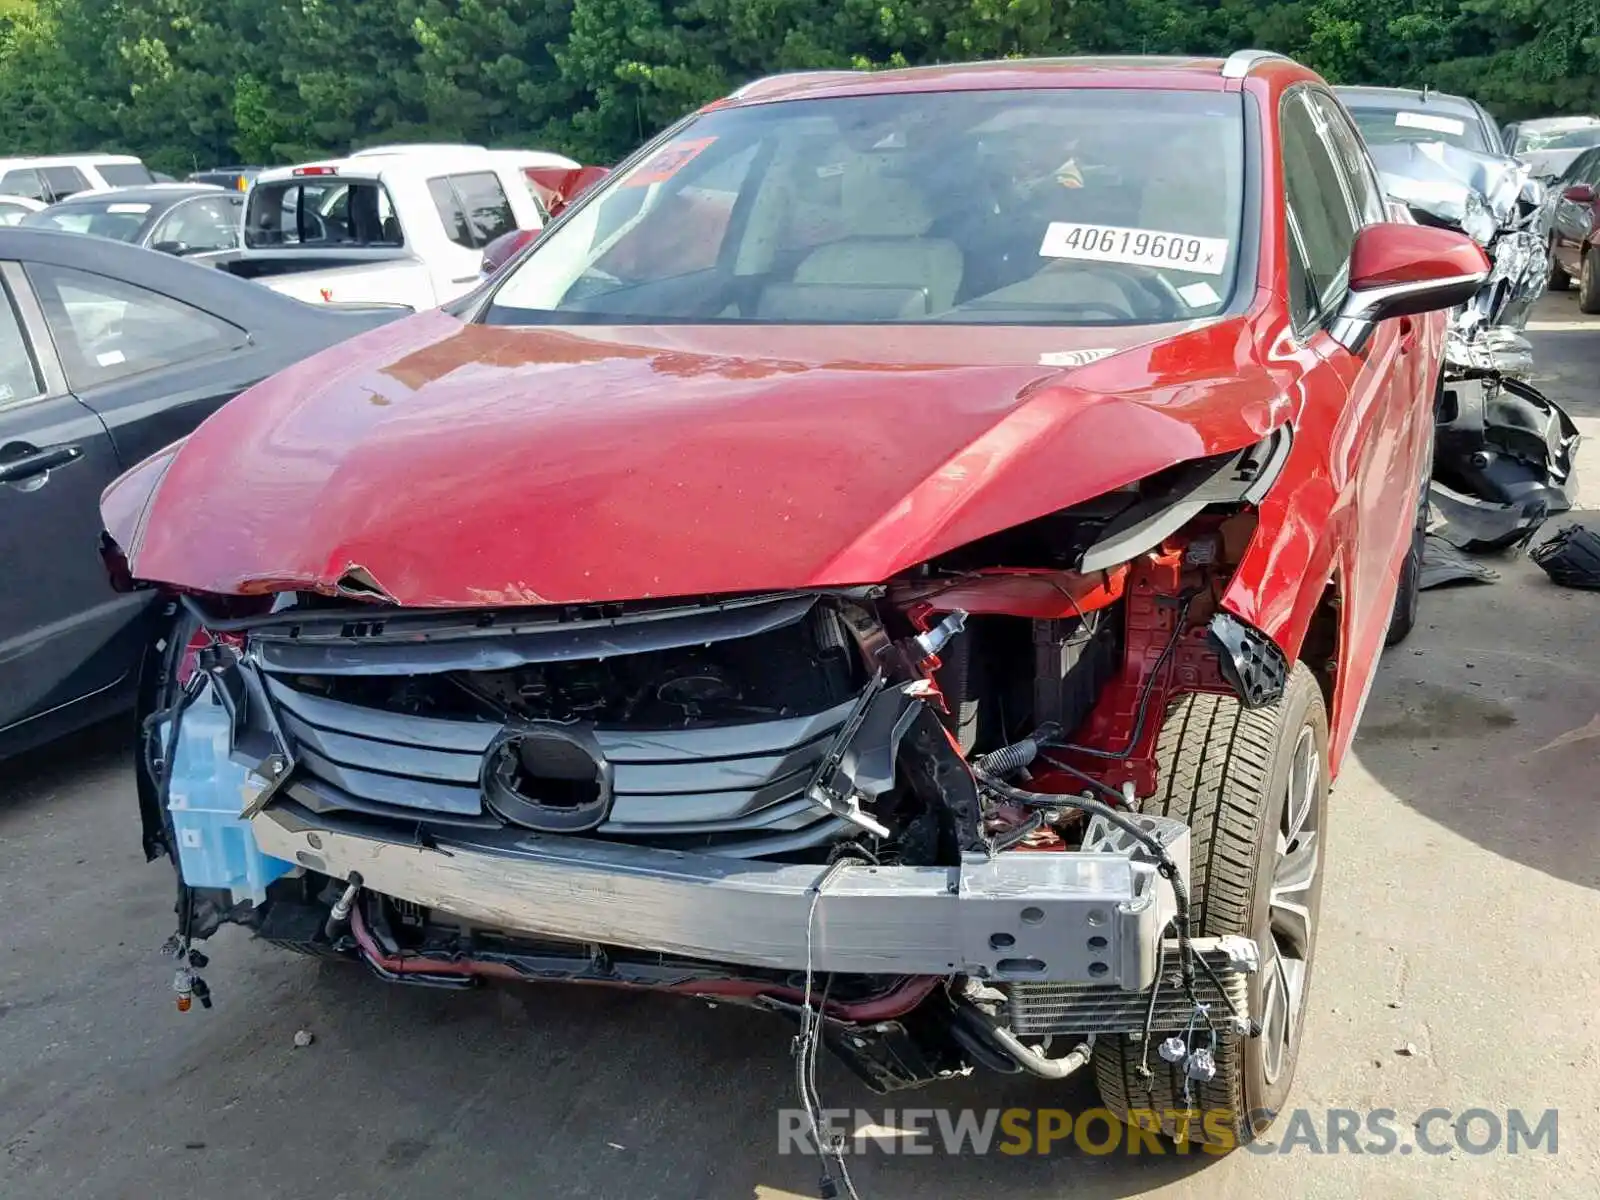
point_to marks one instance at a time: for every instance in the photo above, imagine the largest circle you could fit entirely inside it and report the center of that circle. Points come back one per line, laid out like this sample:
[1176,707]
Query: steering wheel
[317,225]
[1149,284]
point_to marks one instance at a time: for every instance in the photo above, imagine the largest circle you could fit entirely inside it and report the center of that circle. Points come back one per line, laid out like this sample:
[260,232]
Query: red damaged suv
[908,551]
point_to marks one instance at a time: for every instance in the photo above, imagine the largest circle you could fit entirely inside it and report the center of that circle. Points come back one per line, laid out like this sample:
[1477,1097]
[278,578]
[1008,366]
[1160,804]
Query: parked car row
[1564,152]
[409,224]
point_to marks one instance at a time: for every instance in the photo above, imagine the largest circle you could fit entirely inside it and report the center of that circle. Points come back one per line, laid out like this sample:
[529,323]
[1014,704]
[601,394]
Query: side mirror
[560,186]
[1400,270]
[1579,193]
[178,248]
[504,248]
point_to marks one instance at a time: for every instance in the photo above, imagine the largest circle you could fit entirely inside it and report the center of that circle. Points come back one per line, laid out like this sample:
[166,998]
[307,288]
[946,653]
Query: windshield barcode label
[1135,247]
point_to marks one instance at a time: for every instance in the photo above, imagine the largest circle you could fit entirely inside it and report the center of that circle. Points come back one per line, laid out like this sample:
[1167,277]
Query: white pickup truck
[396,225]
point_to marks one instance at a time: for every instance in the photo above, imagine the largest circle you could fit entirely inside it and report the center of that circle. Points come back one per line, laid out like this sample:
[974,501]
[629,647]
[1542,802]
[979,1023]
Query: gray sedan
[191,220]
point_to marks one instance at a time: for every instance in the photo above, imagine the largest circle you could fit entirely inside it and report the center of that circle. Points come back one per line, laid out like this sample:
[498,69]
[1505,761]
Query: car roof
[1556,124]
[1143,72]
[67,160]
[370,166]
[1375,97]
[151,193]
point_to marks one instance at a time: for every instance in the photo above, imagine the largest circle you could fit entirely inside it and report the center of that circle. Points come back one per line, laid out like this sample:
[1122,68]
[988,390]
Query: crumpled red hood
[446,464]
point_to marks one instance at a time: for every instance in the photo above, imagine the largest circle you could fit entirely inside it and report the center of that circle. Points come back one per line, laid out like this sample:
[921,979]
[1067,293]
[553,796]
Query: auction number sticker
[1136,247]
[1416,120]
[668,161]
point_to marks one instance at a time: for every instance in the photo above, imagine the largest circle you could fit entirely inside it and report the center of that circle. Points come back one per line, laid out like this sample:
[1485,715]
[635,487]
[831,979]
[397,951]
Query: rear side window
[473,207]
[1578,171]
[24,182]
[1320,214]
[63,181]
[451,211]
[18,380]
[134,174]
[199,226]
[107,329]
[323,212]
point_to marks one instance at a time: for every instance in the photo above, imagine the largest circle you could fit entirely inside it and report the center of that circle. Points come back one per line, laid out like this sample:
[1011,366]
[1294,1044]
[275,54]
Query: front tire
[1252,785]
[1589,282]
[1560,281]
[1408,596]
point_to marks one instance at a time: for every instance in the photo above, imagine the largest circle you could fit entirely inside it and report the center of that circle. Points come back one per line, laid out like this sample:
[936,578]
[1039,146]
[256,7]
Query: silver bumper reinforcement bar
[1094,917]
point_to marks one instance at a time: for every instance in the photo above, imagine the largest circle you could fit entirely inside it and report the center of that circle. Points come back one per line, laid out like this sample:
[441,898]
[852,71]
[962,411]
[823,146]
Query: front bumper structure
[1093,917]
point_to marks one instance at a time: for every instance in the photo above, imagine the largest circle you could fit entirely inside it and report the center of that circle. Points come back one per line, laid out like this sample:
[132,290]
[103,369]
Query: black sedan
[107,354]
[191,220]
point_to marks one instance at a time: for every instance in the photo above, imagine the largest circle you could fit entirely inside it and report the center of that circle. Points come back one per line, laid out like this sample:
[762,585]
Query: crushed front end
[911,809]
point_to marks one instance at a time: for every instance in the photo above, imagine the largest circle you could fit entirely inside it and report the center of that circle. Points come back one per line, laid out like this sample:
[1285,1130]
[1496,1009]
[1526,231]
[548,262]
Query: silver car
[191,220]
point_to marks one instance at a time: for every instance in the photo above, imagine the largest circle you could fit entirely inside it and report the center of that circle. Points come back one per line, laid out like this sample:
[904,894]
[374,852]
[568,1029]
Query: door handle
[1408,335]
[36,462]
[466,279]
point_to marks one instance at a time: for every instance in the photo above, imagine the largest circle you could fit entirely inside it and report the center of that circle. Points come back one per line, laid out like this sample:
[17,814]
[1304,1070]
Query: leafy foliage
[194,83]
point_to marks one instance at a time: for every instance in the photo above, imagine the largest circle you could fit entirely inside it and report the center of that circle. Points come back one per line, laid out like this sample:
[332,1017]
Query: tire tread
[1215,759]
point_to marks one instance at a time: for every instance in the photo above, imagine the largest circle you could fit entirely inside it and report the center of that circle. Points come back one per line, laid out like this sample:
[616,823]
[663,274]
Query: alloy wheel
[1290,917]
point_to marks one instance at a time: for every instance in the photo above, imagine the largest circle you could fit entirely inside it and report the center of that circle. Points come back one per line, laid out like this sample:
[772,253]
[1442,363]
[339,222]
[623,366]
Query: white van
[55,177]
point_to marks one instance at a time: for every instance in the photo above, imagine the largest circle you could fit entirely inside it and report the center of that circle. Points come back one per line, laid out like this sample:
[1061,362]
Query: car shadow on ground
[620,1094]
[104,751]
[1487,720]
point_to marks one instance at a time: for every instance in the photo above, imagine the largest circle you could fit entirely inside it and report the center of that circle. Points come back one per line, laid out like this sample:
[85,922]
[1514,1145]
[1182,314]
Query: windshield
[132,174]
[120,220]
[1075,207]
[1385,126]
[1558,139]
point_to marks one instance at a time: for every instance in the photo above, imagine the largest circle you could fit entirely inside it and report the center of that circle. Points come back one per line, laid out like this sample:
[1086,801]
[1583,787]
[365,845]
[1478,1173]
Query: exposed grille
[1067,1008]
[720,779]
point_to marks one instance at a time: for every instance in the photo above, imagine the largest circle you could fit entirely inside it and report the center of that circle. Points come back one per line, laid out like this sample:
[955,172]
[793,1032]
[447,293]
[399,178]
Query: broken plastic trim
[1250,661]
[860,765]
[1571,558]
[414,648]
[1243,477]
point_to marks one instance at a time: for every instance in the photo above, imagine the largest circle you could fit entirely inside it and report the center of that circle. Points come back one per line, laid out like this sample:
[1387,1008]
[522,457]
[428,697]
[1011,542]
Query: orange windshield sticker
[669,160]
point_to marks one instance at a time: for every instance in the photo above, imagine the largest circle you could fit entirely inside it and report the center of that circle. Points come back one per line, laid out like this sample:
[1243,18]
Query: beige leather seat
[884,269]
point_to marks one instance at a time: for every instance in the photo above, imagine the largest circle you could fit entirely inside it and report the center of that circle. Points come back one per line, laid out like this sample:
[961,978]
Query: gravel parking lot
[1458,969]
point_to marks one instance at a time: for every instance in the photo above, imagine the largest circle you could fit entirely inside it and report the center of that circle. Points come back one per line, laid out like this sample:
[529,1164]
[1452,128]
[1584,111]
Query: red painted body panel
[1394,254]
[474,465]
[468,465]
